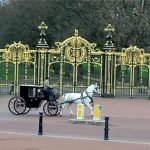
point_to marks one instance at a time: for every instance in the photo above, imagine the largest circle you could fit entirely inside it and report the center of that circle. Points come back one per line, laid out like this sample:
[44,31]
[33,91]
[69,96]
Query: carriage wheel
[20,106]
[45,109]
[52,108]
[59,108]
[11,105]
[27,110]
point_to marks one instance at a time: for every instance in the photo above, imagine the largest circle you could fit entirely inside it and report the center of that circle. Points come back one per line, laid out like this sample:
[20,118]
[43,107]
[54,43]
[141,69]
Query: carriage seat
[49,97]
[46,95]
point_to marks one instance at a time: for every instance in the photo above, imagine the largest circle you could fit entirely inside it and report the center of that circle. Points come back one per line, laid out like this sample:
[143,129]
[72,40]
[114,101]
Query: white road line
[76,138]
[130,142]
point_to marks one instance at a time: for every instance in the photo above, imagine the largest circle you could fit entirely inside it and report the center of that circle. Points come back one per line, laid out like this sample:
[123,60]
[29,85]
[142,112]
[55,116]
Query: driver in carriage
[48,89]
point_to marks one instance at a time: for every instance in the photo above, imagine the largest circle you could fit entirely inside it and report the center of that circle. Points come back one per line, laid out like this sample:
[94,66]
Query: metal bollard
[80,111]
[40,123]
[97,112]
[106,129]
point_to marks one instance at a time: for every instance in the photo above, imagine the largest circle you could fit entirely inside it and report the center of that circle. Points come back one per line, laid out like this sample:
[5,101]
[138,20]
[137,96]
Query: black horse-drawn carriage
[32,97]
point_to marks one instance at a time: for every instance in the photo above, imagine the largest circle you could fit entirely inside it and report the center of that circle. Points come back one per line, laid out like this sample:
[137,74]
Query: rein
[74,100]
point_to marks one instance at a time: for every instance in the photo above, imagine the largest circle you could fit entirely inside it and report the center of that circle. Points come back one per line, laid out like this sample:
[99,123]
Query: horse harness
[82,97]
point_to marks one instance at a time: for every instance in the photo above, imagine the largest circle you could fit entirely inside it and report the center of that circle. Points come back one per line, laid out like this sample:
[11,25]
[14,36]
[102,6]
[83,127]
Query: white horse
[85,98]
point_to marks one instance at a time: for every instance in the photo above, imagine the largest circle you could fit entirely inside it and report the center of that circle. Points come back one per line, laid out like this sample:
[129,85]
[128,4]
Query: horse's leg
[62,108]
[62,105]
[90,107]
[69,109]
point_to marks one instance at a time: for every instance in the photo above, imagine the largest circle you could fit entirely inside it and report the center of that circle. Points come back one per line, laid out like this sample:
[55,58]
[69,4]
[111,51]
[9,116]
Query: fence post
[106,129]
[40,123]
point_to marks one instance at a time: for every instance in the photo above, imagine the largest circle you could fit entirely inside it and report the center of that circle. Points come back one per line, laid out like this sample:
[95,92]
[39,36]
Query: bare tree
[20,18]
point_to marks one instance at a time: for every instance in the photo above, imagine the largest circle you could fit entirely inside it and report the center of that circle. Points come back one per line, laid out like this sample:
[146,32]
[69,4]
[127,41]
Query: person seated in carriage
[48,90]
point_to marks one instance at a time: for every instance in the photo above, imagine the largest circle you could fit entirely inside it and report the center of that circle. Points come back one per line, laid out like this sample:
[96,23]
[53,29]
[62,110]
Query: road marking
[130,142]
[76,138]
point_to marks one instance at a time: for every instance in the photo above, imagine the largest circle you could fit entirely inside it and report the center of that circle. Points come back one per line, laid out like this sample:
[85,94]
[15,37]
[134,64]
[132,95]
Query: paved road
[129,126]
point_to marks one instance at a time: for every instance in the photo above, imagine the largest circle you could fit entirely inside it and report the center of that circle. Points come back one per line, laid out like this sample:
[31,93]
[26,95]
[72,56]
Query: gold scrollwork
[16,52]
[42,50]
[132,55]
[54,58]
[75,53]
[76,48]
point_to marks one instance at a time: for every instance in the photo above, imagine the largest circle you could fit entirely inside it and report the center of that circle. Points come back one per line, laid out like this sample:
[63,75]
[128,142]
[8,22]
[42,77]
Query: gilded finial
[43,27]
[76,32]
[109,28]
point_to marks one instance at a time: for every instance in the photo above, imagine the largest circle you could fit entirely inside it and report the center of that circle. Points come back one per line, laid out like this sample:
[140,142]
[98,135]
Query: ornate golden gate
[134,67]
[17,67]
[76,63]
[77,60]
